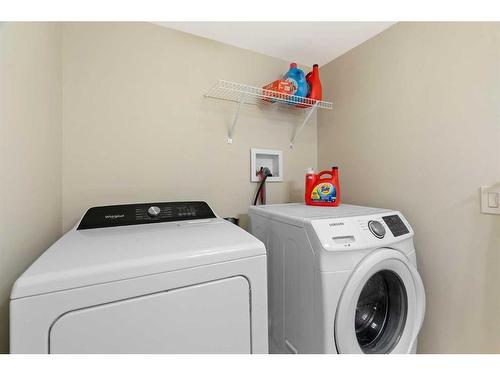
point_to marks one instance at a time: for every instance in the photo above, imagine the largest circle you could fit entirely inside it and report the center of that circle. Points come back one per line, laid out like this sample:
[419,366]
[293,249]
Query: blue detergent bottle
[297,77]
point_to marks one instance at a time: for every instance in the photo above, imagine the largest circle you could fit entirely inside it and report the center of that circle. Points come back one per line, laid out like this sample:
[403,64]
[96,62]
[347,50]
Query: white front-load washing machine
[145,278]
[341,279]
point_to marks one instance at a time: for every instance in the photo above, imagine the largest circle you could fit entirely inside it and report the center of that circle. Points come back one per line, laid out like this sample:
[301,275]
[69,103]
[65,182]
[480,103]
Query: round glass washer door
[382,306]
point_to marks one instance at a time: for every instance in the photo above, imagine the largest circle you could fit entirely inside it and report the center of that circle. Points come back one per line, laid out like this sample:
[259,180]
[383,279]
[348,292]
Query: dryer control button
[153,211]
[376,228]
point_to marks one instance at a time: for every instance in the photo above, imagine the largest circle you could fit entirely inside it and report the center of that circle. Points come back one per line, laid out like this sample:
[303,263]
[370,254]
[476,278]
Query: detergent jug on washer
[322,189]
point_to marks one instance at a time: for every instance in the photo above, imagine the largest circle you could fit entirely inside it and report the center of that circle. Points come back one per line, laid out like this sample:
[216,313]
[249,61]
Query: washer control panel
[144,213]
[396,225]
[361,231]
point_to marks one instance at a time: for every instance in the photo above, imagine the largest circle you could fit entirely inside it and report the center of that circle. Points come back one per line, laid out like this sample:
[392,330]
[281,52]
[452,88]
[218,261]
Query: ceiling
[306,43]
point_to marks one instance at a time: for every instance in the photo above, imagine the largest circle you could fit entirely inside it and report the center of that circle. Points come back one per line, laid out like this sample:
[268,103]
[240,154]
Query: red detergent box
[280,89]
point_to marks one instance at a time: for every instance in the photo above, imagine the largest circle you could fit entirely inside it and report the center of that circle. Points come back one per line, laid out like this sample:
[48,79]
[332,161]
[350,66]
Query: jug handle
[321,174]
[330,173]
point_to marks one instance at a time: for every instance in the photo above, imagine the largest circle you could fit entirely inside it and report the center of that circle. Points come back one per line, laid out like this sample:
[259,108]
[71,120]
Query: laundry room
[345,174]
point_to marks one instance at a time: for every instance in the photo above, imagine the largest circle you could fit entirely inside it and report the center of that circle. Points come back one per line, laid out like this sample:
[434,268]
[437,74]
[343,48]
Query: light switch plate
[490,200]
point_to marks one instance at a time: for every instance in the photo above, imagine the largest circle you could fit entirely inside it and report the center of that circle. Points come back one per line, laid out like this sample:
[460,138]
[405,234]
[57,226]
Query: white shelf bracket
[304,123]
[235,120]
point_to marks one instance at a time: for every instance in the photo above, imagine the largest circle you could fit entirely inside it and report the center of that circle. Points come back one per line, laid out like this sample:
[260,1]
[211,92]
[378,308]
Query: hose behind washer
[264,172]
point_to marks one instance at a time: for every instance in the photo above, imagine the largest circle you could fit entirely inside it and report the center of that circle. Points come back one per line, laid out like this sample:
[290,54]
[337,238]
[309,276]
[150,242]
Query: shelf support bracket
[306,119]
[235,120]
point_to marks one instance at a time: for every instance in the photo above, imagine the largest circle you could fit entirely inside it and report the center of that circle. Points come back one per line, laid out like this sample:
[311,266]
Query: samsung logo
[116,216]
[335,224]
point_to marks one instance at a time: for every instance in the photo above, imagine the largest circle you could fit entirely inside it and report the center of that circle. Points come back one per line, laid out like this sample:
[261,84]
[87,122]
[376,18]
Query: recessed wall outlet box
[490,200]
[272,159]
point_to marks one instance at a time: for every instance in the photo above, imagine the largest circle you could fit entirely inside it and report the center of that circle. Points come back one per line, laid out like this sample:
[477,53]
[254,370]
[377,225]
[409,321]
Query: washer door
[382,306]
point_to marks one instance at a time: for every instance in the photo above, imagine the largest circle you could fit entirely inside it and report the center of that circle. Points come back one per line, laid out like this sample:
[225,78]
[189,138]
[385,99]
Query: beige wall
[30,150]
[136,126]
[416,127]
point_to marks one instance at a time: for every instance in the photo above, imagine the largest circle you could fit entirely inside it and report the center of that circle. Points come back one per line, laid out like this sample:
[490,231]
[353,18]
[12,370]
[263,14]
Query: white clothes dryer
[145,278]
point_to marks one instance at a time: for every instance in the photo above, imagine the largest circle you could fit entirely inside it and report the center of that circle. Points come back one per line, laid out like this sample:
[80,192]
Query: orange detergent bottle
[322,189]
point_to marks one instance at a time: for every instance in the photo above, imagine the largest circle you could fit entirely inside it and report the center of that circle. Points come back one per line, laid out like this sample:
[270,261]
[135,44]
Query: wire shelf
[240,93]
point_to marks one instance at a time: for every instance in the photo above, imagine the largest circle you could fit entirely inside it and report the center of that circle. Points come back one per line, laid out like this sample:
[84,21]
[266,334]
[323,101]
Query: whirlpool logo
[335,224]
[115,216]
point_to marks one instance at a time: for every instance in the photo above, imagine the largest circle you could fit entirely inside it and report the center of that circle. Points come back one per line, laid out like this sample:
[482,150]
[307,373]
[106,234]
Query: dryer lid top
[94,256]
[299,213]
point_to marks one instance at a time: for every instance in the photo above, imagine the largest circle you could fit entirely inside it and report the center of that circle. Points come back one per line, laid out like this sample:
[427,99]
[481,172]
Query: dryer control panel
[362,231]
[144,213]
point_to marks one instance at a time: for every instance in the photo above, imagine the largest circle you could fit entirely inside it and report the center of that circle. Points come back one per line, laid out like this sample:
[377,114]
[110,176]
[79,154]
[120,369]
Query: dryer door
[212,317]
[382,306]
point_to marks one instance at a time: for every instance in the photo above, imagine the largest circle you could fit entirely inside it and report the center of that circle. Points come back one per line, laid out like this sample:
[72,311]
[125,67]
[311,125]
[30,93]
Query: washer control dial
[153,211]
[376,228]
